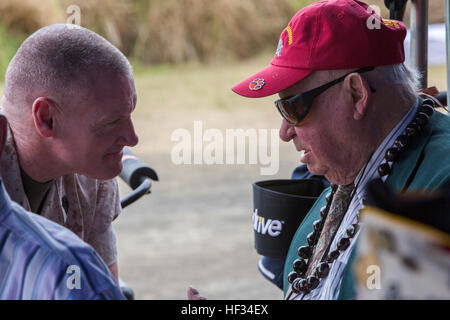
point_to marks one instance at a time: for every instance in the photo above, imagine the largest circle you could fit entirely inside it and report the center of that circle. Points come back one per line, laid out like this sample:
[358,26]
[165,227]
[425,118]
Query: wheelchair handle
[137,175]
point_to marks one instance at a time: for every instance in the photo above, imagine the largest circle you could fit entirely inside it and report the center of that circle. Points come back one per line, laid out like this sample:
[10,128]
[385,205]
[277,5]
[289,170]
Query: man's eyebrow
[118,116]
[103,120]
[114,118]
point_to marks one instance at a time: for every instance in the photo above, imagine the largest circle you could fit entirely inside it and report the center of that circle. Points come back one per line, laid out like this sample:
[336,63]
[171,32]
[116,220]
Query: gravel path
[195,228]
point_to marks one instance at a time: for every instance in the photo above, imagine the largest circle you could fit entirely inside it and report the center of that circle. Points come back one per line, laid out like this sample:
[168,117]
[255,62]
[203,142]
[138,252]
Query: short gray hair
[59,60]
[404,78]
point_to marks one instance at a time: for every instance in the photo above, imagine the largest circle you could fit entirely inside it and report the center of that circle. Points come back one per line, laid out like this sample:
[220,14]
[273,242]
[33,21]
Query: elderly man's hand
[193,294]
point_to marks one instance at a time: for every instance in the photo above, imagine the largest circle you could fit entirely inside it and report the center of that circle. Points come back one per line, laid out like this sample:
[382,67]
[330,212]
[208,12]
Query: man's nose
[287,131]
[130,138]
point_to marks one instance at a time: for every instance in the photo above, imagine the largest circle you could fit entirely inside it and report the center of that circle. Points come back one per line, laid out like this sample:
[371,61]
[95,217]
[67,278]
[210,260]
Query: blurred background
[195,227]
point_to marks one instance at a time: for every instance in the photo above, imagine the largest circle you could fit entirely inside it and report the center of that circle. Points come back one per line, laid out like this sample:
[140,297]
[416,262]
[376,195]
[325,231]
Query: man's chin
[106,174]
[113,173]
[316,170]
[335,178]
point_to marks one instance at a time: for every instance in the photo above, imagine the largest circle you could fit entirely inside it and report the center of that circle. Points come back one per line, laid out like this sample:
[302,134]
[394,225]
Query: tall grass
[176,31]
[168,31]
[26,16]
[165,31]
[115,20]
[18,19]
[9,43]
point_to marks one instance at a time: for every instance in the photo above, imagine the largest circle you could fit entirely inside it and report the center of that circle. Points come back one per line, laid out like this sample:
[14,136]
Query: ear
[360,92]
[43,113]
[3,124]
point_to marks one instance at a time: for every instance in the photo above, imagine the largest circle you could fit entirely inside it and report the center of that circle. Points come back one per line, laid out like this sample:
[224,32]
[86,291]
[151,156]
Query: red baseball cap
[328,35]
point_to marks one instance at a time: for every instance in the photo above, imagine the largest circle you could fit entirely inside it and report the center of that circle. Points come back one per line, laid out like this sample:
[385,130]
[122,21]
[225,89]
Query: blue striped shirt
[40,259]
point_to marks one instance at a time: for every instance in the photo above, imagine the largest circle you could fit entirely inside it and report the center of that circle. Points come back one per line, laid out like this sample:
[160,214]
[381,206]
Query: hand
[193,294]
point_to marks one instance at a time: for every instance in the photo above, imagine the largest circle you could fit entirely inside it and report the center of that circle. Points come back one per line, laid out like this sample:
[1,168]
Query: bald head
[60,62]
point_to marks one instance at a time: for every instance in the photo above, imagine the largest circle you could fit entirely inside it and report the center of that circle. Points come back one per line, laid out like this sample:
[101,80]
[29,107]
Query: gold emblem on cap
[289,31]
[391,23]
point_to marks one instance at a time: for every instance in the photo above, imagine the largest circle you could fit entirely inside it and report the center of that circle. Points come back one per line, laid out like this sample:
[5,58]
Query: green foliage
[9,43]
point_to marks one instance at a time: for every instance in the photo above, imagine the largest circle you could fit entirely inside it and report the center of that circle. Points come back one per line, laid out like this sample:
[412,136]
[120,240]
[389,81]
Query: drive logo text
[269,226]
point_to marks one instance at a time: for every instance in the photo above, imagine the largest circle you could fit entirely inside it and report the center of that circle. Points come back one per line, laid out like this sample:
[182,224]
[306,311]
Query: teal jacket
[424,165]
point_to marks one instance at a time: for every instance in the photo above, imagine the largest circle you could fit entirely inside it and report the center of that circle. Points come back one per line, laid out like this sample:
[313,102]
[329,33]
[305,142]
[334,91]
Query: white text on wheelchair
[221,148]
[271,227]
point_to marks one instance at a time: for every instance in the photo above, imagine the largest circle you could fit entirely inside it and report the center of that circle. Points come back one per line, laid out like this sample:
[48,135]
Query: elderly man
[351,105]
[40,259]
[68,97]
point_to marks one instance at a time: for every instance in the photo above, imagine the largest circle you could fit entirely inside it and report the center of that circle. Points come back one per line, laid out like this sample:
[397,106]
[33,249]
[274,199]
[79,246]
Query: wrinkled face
[324,135]
[93,134]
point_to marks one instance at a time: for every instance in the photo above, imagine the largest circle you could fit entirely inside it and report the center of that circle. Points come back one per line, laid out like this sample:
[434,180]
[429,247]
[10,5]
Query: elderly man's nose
[287,131]
[134,139]
[130,137]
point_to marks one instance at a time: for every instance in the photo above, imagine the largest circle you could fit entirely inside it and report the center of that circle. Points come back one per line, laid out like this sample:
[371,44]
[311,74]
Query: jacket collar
[405,167]
[10,172]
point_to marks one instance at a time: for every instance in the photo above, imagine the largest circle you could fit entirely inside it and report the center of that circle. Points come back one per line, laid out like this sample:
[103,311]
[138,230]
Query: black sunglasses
[294,109]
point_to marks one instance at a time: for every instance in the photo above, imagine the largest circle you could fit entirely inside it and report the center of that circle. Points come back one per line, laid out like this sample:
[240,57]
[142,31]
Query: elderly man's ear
[360,93]
[43,112]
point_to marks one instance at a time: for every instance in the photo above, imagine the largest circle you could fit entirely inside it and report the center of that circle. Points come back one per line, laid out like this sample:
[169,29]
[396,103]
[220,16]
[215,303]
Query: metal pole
[419,39]
[447,40]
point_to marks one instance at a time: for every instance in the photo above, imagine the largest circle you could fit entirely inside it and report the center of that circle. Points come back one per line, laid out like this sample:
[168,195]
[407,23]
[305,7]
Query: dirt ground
[195,228]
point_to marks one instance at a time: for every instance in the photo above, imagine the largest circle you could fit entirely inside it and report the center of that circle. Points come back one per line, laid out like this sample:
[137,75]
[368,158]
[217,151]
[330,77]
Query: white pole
[419,39]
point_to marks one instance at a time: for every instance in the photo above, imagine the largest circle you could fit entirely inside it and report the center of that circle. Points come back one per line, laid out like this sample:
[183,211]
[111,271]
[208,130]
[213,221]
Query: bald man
[68,96]
[42,260]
